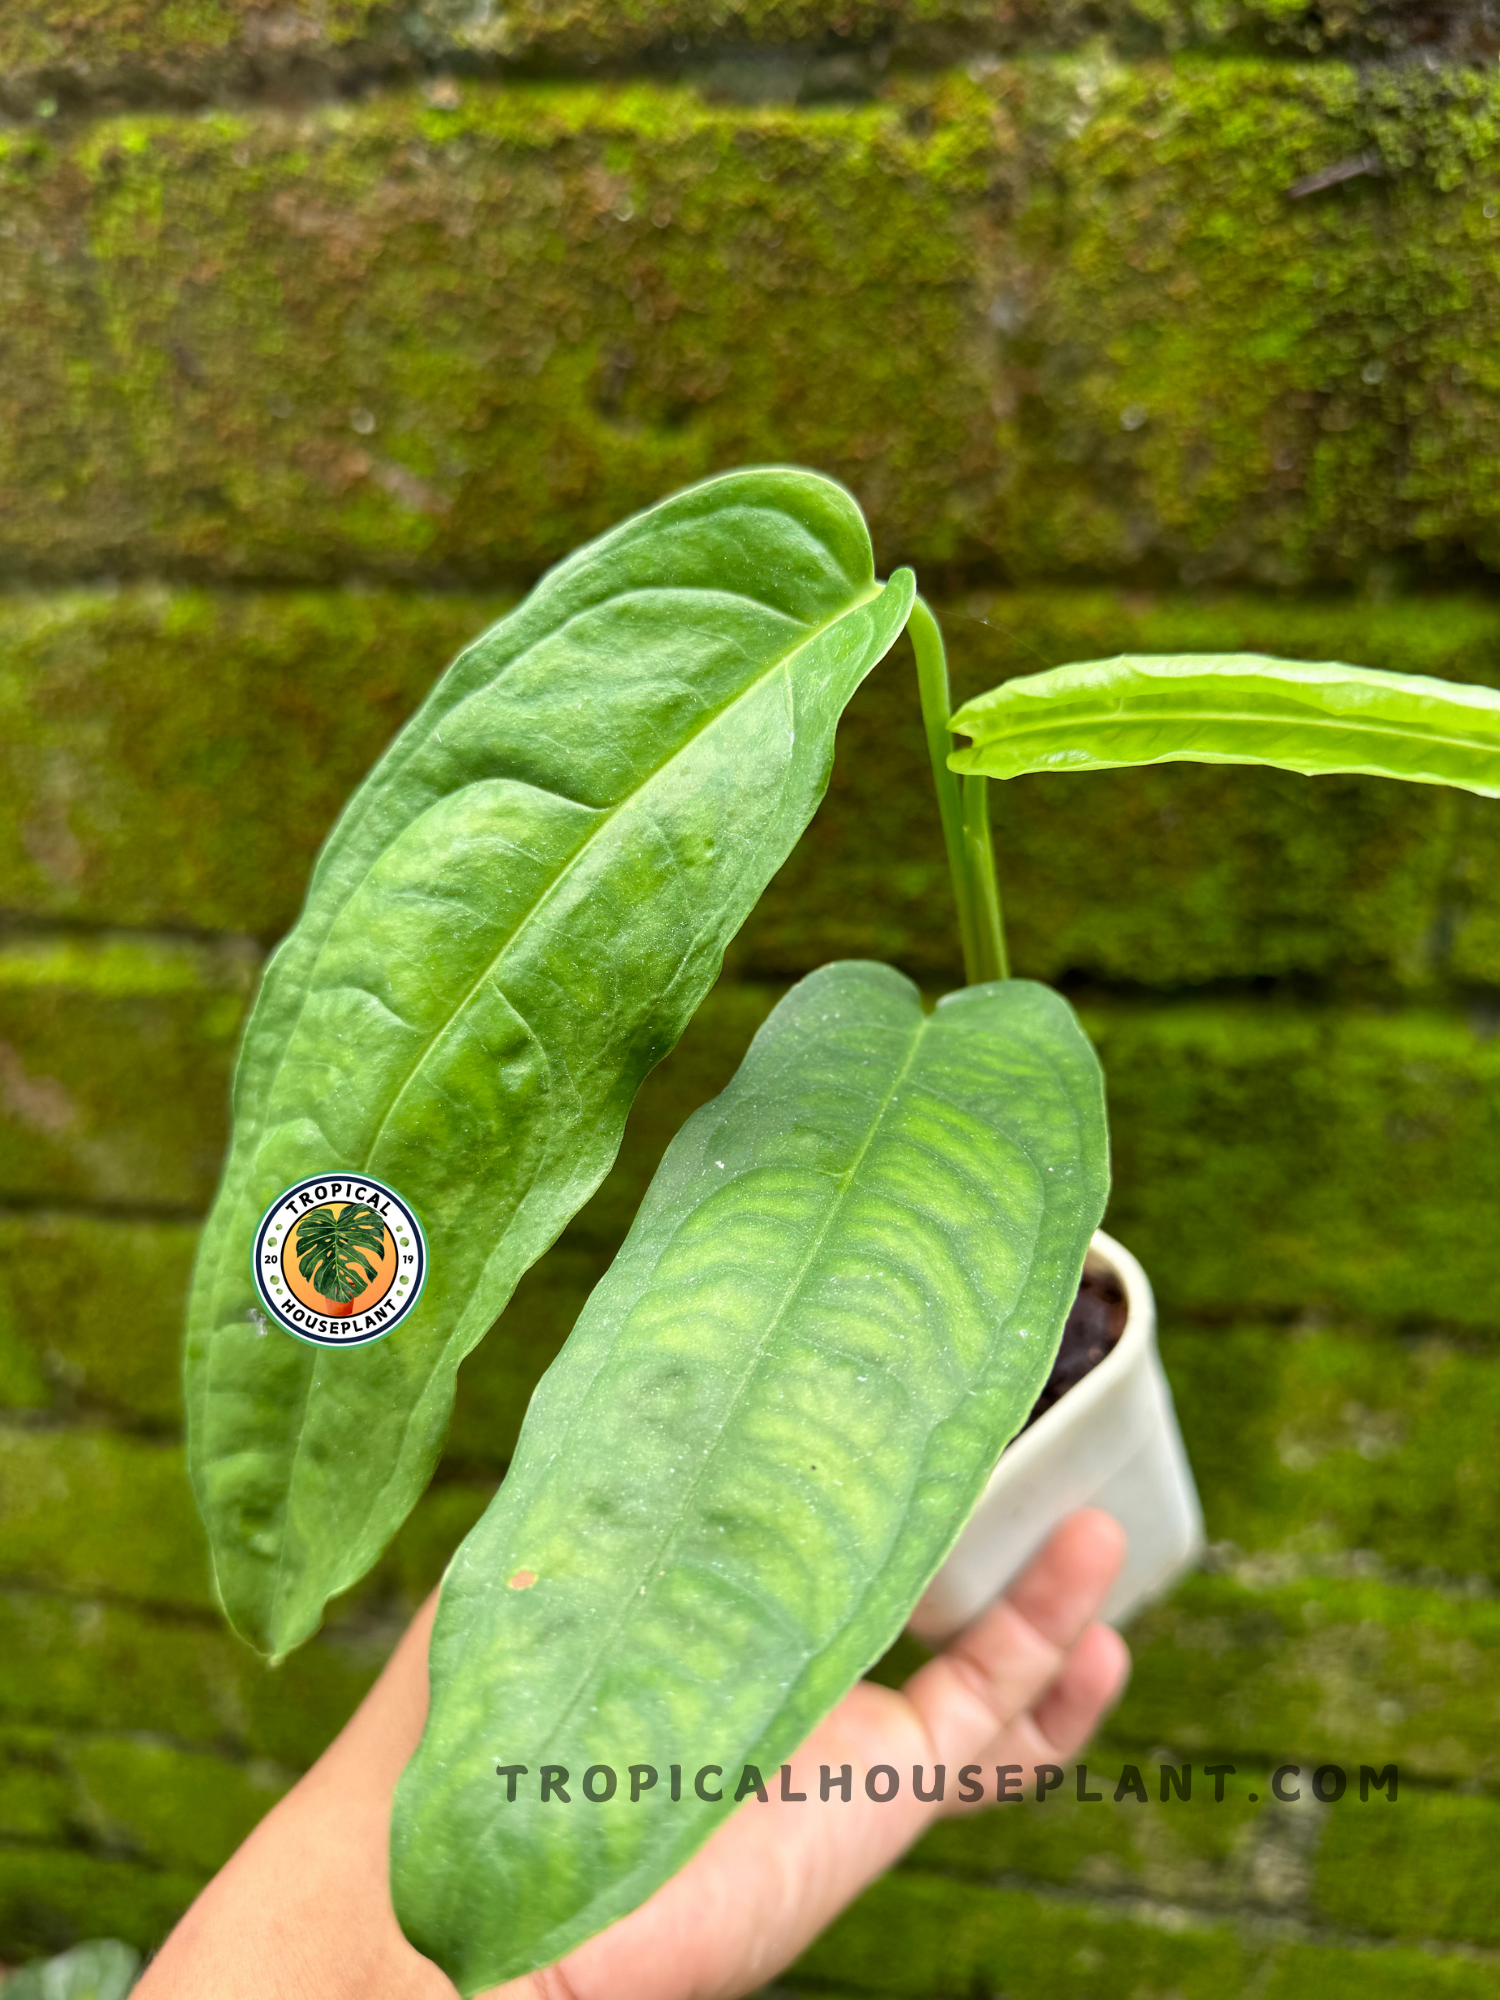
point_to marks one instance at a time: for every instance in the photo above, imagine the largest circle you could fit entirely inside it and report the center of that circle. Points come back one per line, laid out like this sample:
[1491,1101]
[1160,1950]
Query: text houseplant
[848,1279]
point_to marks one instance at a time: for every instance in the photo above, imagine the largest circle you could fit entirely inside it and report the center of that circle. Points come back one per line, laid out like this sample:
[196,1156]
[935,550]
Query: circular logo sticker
[339,1261]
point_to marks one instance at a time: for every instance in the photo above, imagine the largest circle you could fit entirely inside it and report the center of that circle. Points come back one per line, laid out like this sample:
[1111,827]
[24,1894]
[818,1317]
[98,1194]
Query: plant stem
[989,925]
[932,681]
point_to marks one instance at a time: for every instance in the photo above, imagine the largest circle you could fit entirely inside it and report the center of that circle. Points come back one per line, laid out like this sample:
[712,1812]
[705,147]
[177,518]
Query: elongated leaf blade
[1235,708]
[513,921]
[840,1299]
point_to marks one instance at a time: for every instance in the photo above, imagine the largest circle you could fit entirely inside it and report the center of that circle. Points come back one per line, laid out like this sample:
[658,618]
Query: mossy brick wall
[88,53]
[1142,325]
[420,341]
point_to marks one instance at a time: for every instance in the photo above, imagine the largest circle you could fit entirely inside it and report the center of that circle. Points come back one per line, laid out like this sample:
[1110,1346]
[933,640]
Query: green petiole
[964,811]
[979,859]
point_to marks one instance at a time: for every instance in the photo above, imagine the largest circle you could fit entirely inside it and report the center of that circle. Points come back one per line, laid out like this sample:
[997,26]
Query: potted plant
[847,1284]
[1103,1434]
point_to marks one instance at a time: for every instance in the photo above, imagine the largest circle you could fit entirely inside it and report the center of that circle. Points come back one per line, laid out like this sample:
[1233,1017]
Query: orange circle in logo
[385,1267]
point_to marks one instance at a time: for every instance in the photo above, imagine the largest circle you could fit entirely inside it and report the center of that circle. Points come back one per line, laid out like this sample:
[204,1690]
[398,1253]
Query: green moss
[1323,1670]
[1192,1851]
[175,1808]
[1239,379]
[147,791]
[1420,1869]
[410,341]
[89,1511]
[456,342]
[698,1069]
[1270,1157]
[76,1355]
[191,48]
[918,1935]
[114,1062]
[495,1383]
[35,1798]
[55,1897]
[125,1795]
[1336,1974]
[1324,1440]
[100,1666]
[1425,1870]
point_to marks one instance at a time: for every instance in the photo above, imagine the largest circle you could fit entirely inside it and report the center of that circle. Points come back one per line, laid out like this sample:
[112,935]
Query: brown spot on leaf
[522,1580]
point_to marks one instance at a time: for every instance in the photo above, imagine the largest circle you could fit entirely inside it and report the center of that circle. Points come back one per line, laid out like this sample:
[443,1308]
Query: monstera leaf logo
[331,1251]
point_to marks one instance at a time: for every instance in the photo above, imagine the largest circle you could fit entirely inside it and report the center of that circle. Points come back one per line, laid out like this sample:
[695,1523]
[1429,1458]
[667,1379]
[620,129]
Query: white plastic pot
[1111,1441]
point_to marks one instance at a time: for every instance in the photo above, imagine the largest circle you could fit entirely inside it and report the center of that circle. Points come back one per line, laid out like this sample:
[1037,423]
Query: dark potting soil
[1095,1323]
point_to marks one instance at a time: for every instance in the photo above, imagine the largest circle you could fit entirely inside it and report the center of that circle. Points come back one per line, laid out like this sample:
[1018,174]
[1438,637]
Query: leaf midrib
[789,1294]
[607,814]
[1003,733]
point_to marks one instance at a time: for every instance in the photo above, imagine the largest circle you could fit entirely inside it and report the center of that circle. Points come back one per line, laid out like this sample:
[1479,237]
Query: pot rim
[1137,1337]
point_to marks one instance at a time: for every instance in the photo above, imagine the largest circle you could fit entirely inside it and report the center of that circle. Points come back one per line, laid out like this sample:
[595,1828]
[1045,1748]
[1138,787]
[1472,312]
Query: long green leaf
[1235,708]
[839,1300]
[514,919]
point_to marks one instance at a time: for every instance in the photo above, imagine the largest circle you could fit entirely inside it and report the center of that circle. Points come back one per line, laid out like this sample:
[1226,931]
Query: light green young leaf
[840,1299]
[514,919]
[1235,708]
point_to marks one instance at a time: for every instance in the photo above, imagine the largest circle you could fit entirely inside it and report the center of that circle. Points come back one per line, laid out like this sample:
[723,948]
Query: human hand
[303,1910]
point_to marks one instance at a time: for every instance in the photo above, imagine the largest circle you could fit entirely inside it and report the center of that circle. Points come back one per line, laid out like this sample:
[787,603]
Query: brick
[154,49]
[137,1799]
[476,322]
[144,791]
[54,1897]
[1417,1869]
[1343,1974]
[487,325]
[96,1666]
[1425,1869]
[1192,1853]
[495,1383]
[916,1934]
[35,1798]
[94,1513]
[62,1356]
[1269,1157]
[919,1935]
[91,1314]
[114,1065]
[1317,1671]
[1330,1440]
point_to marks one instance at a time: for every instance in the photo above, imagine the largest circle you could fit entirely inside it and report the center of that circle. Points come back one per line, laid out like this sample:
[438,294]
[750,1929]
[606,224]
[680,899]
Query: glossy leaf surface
[840,1299]
[514,919]
[1235,709]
